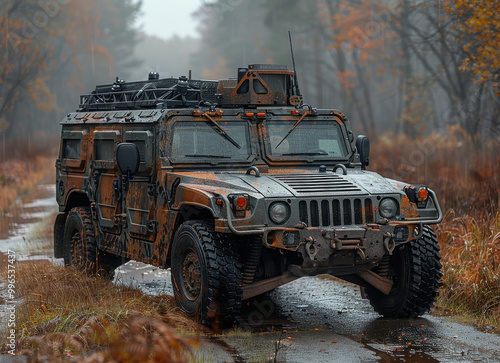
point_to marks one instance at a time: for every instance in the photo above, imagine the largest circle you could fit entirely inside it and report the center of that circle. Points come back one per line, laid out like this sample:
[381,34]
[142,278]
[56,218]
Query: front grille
[318,184]
[336,212]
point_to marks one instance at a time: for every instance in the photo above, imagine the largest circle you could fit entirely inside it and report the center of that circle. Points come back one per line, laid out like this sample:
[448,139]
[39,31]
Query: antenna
[297,90]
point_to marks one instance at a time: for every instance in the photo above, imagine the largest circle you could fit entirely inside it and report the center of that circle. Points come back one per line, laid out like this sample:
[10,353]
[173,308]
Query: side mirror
[128,158]
[363,147]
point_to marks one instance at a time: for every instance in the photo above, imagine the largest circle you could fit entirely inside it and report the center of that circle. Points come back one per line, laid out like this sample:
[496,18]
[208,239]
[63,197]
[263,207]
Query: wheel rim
[191,276]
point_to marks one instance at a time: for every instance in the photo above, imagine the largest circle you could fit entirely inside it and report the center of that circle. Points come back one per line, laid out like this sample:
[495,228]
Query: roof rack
[153,93]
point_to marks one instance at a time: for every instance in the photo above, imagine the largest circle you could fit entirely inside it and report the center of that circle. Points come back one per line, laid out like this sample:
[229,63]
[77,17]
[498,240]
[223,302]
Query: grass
[471,264]
[65,313]
[22,168]
[465,174]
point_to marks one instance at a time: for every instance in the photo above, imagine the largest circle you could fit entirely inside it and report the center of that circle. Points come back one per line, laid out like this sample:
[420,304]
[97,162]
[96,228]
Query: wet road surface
[23,234]
[324,320]
[311,319]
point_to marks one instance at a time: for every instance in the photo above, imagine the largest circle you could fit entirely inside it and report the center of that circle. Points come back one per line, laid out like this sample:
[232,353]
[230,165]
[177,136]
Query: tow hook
[311,248]
[389,243]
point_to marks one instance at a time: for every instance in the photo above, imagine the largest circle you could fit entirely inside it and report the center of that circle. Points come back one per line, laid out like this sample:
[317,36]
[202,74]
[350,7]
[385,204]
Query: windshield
[309,140]
[201,141]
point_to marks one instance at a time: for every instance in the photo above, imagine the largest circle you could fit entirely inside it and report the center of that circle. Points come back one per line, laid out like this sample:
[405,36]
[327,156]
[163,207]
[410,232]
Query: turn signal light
[294,112]
[241,202]
[249,114]
[417,194]
[261,114]
[422,194]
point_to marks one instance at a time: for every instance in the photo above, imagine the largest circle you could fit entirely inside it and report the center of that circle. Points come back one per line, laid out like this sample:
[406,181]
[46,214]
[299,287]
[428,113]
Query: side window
[145,143]
[105,147]
[71,149]
[141,145]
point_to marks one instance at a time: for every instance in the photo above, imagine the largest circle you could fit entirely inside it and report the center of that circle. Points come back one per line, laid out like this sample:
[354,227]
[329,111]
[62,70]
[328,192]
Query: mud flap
[59,248]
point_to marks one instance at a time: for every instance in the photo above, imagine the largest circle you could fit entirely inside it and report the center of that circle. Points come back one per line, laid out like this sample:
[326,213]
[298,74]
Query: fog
[400,66]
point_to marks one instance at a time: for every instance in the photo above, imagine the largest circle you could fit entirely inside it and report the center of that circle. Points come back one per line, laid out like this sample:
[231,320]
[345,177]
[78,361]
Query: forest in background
[412,67]
[404,65]
[54,50]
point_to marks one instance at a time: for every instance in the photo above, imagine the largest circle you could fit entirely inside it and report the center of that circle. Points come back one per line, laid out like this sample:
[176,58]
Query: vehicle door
[107,179]
[140,201]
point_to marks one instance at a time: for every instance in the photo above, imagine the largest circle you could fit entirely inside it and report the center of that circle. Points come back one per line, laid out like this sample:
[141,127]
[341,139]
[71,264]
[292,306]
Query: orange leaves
[38,39]
[345,78]
[479,23]
[363,26]
[41,95]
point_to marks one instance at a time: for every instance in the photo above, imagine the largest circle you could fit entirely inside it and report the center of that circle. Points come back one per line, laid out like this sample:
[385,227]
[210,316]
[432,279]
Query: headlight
[388,208]
[279,212]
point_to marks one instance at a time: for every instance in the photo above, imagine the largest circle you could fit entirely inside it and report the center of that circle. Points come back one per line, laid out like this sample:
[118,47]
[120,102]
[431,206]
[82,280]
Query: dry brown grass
[471,254]
[66,313]
[466,178]
[23,165]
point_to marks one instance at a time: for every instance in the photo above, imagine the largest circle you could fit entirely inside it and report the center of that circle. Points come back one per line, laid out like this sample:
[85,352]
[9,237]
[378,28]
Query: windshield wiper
[306,153]
[207,156]
[293,127]
[220,130]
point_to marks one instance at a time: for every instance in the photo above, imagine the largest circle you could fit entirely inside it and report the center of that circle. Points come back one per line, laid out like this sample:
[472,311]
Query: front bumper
[362,246]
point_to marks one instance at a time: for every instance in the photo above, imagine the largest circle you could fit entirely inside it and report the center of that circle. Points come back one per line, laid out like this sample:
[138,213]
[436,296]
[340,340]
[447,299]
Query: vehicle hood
[301,183]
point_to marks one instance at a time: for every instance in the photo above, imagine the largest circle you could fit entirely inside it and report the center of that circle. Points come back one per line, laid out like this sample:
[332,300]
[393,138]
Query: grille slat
[337,215]
[336,212]
[314,214]
[325,213]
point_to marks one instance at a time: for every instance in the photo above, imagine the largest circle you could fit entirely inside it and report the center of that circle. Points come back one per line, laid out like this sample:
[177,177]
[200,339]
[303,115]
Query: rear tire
[416,273]
[206,275]
[81,245]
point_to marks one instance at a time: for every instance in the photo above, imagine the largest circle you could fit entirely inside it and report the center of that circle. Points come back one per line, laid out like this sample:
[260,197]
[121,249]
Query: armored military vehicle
[238,187]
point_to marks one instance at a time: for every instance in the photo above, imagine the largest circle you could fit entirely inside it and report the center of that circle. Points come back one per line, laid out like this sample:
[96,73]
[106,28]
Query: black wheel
[81,245]
[206,274]
[416,273]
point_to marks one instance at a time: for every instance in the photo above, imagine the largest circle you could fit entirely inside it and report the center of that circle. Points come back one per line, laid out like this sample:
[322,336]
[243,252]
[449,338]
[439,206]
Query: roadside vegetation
[24,164]
[465,174]
[65,314]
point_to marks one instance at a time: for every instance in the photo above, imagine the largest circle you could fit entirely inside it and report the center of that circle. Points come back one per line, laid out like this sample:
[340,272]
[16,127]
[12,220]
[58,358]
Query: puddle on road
[18,227]
[311,309]
[150,279]
[20,233]
[28,211]
[390,354]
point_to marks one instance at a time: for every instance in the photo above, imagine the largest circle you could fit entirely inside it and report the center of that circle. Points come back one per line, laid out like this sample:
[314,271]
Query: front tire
[206,274]
[416,274]
[81,246]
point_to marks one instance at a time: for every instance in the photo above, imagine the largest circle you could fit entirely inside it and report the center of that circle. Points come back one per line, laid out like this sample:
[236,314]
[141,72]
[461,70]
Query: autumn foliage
[479,26]
[466,181]
[52,50]
[72,317]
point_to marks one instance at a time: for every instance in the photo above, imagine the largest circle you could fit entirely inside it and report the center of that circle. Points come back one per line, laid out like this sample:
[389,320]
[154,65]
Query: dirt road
[321,320]
[311,319]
